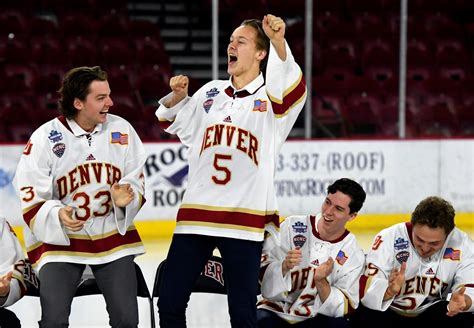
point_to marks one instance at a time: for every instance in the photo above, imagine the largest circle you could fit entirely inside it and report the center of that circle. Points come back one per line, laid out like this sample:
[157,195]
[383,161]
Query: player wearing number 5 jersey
[420,272]
[234,130]
[80,182]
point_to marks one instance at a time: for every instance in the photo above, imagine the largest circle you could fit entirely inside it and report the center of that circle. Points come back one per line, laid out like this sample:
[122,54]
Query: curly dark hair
[262,41]
[76,84]
[351,189]
[435,212]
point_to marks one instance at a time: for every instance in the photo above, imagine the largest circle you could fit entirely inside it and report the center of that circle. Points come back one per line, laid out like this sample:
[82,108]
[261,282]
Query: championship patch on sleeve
[118,138]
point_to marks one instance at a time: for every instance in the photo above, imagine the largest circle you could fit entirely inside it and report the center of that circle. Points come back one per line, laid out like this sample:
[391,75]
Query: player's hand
[324,270]
[66,217]
[179,85]
[274,27]
[5,284]
[122,194]
[292,259]
[396,280]
[457,303]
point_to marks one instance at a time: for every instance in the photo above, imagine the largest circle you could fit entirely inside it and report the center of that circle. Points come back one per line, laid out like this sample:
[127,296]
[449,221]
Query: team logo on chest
[59,149]
[207,104]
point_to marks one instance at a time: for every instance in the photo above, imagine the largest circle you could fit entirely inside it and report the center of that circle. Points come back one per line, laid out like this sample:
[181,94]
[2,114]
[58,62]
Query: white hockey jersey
[294,296]
[11,259]
[427,281]
[64,165]
[234,137]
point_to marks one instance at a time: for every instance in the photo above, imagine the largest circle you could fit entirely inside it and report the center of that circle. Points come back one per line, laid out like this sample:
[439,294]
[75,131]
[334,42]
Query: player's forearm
[324,289]
[388,295]
[468,300]
[173,100]
[280,48]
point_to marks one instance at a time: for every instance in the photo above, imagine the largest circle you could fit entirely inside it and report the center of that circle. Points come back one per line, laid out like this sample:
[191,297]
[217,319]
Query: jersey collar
[78,131]
[314,223]
[248,90]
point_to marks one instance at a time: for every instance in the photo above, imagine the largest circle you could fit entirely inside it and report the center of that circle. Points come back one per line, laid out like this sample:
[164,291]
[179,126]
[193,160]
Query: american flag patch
[117,137]
[341,258]
[260,105]
[452,254]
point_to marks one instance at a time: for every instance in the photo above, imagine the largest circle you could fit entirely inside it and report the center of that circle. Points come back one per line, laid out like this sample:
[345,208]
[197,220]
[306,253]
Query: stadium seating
[81,51]
[436,121]
[466,120]
[355,49]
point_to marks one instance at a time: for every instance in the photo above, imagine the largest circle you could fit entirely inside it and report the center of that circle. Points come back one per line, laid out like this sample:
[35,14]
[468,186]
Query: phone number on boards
[333,161]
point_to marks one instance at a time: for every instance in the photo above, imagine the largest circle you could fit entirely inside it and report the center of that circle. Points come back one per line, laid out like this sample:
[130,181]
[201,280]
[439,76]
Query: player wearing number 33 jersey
[234,137]
[64,165]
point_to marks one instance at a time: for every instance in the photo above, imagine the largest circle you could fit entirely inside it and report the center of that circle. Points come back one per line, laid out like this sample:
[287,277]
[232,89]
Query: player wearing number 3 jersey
[80,182]
[234,130]
[310,278]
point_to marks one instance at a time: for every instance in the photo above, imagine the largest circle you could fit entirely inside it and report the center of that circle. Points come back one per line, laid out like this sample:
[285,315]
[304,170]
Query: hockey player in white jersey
[12,265]
[420,272]
[234,130]
[16,274]
[81,184]
[311,277]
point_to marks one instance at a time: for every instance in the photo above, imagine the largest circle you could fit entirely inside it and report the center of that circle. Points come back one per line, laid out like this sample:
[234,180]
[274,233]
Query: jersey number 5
[226,174]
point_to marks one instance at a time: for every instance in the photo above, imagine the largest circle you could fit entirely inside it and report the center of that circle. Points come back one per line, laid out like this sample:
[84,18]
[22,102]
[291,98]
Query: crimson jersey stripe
[87,246]
[165,124]
[223,217]
[362,285]
[63,120]
[142,201]
[31,213]
[290,98]
[272,305]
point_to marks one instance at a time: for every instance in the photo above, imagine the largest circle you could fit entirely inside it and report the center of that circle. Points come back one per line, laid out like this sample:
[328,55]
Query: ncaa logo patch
[400,244]
[55,136]
[59,149]
[402,256]
[207,105]
[299,240]
[299,227]
[212,93]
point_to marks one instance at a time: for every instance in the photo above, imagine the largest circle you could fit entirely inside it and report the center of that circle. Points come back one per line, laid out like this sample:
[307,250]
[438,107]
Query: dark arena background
[390,104]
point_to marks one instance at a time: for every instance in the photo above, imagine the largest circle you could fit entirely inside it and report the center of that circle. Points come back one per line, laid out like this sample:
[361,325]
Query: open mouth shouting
[232,60]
